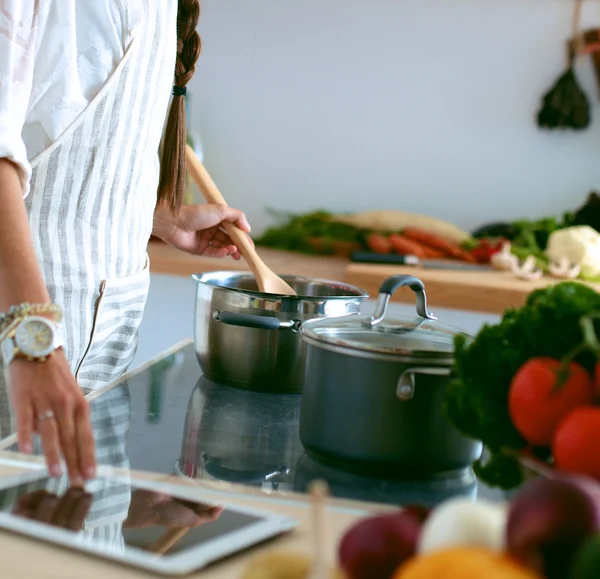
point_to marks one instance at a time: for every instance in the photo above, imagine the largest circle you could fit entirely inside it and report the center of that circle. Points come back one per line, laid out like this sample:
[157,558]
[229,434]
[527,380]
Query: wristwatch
[35,339]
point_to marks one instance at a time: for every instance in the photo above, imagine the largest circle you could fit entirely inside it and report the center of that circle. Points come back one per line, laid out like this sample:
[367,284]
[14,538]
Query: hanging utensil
[268,280]
[565,105]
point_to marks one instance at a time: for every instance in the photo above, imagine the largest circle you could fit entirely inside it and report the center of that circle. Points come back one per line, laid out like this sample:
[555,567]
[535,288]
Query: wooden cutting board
[480,291]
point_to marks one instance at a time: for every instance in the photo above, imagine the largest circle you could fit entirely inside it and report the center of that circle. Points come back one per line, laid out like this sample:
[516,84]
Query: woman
[84,91]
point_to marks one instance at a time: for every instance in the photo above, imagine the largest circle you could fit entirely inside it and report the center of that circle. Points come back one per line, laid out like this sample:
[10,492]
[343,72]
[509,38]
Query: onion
[375,547]
[548,521]
[464,523]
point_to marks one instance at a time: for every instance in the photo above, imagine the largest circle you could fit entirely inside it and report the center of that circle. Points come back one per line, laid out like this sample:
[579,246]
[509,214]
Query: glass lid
[418,337]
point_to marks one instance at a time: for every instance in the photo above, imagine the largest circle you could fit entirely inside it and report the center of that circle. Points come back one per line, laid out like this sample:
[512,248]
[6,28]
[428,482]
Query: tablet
[160,527]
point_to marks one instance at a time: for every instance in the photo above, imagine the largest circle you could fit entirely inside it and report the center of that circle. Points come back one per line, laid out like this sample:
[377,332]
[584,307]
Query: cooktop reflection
[168,419]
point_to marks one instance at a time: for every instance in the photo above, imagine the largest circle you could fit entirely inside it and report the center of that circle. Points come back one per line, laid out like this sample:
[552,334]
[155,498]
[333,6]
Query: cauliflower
[579,246]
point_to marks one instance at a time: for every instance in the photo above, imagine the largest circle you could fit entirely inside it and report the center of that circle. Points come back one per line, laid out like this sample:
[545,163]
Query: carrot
[403,245]
[435,241]
[379,244]
[432,253]
[466,256]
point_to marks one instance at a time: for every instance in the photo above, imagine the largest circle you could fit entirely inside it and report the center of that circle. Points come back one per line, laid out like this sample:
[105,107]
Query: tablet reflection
[68,511]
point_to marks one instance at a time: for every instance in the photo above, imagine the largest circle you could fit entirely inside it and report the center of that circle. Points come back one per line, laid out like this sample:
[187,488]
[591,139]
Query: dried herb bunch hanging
[565,105]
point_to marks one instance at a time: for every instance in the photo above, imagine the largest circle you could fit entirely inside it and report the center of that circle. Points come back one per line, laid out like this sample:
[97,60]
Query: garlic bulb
[564,269]
[504,259]
[528,270]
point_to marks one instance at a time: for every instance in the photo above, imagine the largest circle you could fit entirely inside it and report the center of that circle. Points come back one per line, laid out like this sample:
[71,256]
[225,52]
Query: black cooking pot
[374,391]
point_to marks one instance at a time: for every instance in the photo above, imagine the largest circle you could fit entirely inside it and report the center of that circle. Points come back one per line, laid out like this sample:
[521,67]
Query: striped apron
[92,200]
[91,207]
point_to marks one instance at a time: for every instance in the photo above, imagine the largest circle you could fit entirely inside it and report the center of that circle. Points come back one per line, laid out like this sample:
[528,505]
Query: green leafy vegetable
[477,396]
[500,470]
[533,236]
[295,232]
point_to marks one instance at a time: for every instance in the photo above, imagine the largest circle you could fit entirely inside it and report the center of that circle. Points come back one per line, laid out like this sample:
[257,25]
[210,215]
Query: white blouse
[55,55]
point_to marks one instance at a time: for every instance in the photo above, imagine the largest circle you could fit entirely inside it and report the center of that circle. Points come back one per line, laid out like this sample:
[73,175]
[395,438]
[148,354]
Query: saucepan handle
[389,286]
[405,389]
[258,322]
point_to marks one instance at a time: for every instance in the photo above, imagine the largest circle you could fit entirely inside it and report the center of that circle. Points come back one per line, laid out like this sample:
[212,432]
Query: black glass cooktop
[167,418]
[183,424]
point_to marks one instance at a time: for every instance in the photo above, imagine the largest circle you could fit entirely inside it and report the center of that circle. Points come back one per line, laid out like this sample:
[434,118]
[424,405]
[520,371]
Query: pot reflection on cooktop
[239,436]
[248,438]
[348,485]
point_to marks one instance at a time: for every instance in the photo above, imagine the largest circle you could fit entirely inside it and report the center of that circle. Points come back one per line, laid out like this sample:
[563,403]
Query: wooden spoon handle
[212,195]
[202,179]
[168,539]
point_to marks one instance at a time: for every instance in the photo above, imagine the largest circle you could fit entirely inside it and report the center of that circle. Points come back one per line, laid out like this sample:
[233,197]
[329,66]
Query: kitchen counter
[483,291]
[233,446]
[167,260]
[56,562]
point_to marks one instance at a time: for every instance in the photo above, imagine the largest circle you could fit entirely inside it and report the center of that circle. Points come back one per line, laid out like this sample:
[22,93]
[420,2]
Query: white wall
[419,105]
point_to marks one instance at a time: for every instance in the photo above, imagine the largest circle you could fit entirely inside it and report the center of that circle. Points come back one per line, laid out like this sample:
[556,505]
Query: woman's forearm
[20,276]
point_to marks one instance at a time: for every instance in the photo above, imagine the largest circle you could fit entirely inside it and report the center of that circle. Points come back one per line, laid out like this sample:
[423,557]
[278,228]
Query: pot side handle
[405,389]
[390,285]
[258,322]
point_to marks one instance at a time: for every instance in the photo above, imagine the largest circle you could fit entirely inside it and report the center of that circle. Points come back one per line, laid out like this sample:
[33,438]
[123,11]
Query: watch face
[35,337]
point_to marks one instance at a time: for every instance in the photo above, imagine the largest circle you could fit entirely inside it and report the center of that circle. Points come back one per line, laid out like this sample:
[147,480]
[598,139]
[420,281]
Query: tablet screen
[114,515]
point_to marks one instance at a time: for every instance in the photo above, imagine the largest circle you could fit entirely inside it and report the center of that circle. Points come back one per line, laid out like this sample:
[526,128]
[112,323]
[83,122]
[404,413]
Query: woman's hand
[198,229]
[46,399]
[148,508]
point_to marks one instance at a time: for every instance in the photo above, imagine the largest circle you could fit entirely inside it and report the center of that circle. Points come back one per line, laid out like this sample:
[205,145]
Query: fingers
[234,216]
[80,511]
[25,427]
[48,432]
[86,446]
[68,443]
[46,509]
[27,504]
[58,412]
[71,510]
[220,238]
[67,512]
[215,242]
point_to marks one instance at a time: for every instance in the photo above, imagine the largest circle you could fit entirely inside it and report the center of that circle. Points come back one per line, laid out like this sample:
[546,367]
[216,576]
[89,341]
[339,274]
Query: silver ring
[46,416]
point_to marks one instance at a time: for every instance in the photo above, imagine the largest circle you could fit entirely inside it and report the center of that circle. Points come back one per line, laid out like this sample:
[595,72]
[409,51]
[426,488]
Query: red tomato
[536,406]
[575,446]
[597,382]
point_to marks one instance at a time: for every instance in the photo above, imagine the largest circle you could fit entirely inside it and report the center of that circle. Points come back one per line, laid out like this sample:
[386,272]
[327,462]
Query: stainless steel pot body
[250,339]
[380,414]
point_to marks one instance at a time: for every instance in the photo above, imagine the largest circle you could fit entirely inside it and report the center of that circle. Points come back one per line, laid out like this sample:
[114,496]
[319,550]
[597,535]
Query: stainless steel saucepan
[250,339]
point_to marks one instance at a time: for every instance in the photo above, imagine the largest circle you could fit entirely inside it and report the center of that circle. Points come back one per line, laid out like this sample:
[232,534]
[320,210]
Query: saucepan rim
[200,278]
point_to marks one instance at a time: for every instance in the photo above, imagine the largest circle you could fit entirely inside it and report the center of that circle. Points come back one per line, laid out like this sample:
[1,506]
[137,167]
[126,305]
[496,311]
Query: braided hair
[173,167]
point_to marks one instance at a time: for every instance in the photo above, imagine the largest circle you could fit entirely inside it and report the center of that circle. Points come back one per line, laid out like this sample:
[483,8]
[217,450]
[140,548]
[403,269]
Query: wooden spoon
[319,491]
[268,281]
[167,540]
